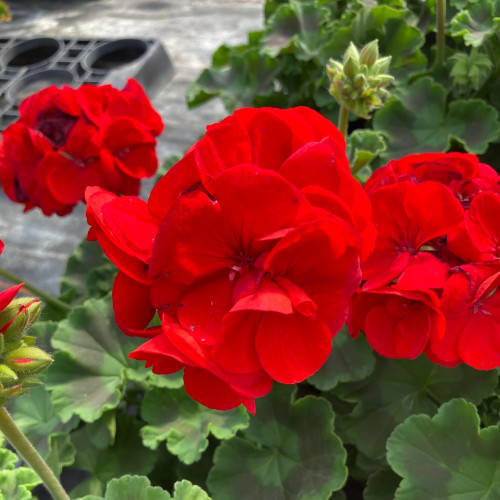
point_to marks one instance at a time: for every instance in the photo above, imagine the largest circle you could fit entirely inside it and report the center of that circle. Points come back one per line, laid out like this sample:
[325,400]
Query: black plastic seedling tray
[29,65]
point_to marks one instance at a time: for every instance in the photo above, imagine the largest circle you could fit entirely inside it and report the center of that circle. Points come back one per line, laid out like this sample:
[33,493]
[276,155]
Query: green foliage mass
[432,107]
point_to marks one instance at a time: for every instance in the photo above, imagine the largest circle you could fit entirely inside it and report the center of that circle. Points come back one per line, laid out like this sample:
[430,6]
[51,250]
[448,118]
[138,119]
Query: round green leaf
[36,417]
[446,457]
[125,456]
[417,121]
[131,488]
[381,485]
[399,388]
[89,273]
[295,25]
[185,490]
[185,424]
[290,452]
[478,21]
[90,370]
[350,360]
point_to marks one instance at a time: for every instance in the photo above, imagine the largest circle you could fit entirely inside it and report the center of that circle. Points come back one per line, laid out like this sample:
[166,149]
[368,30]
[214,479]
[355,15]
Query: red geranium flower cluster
[67,139]
[431,283]
[248,249]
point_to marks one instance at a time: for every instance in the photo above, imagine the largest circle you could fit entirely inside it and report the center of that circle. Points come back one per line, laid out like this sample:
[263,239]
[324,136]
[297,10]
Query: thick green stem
[440,26]
[343,120]
[47,298]
[23,446]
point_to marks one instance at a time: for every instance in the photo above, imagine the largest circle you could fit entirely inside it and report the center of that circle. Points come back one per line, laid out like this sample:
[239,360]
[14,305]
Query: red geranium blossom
[409,217]
[67,139]
[471,305]
[249,262]
[398,322]
[298,143]
[461,172]
[438,238]
[479,236]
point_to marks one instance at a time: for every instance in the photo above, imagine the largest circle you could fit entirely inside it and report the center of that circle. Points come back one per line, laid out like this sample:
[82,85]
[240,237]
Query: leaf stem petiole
[47,298]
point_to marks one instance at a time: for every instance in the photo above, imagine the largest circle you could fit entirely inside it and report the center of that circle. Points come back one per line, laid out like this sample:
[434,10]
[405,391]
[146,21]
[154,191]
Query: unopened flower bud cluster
[20,361]
[358,83]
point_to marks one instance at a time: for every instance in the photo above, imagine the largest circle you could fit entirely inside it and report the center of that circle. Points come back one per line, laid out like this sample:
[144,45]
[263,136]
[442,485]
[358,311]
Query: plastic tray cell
[28,65]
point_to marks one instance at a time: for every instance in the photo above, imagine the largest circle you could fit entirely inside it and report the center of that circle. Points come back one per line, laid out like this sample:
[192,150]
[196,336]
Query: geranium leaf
[8,459]
[125,456]
[447,456]
[396,37]
[478,21]
[131,488]
[15,483]
[290,452]
[43,331]
[417,121]
[89,273]
[363,146]
[399,388]
[381,485]
[245,76]
[36,417]
[139,488]
[61,452]
[295,25]
[185,490]
[184,424]
[350,360]
[90,370]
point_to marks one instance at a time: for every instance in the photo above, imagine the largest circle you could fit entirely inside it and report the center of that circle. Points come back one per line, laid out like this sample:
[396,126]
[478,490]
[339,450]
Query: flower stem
[440,24]
[23,446]
[343,120]
[47,298]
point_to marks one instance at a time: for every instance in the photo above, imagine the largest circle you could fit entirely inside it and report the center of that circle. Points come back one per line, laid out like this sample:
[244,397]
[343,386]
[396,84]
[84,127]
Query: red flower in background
[248,249]
[430,284]
[67,139]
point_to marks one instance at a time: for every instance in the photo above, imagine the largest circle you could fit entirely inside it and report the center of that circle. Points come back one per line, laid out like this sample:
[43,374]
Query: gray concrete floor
[37,247]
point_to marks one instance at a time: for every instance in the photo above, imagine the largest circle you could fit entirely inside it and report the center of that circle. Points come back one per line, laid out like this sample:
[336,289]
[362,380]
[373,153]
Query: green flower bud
[351,53]
[359,81]
[29,382]
[7,376]
[18,316]
[382,64]
[383,80]
[6,393]
[29,340]
[351,67]
[369,53]
[28,360]
[334,67]
[358,84]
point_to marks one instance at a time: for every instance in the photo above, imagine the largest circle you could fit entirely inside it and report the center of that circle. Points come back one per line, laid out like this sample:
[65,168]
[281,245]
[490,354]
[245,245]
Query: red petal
[7,296]
[235,351]
[292,347]
[193,240]
[209,390]
[160,353]
[271,138]
[182,176]
[318,258]
[257,202]
[132,306]
[202,309]
[483,224]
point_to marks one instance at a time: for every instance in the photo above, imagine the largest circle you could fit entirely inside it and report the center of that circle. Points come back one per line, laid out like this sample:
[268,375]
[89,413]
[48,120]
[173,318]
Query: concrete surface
[37,247]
